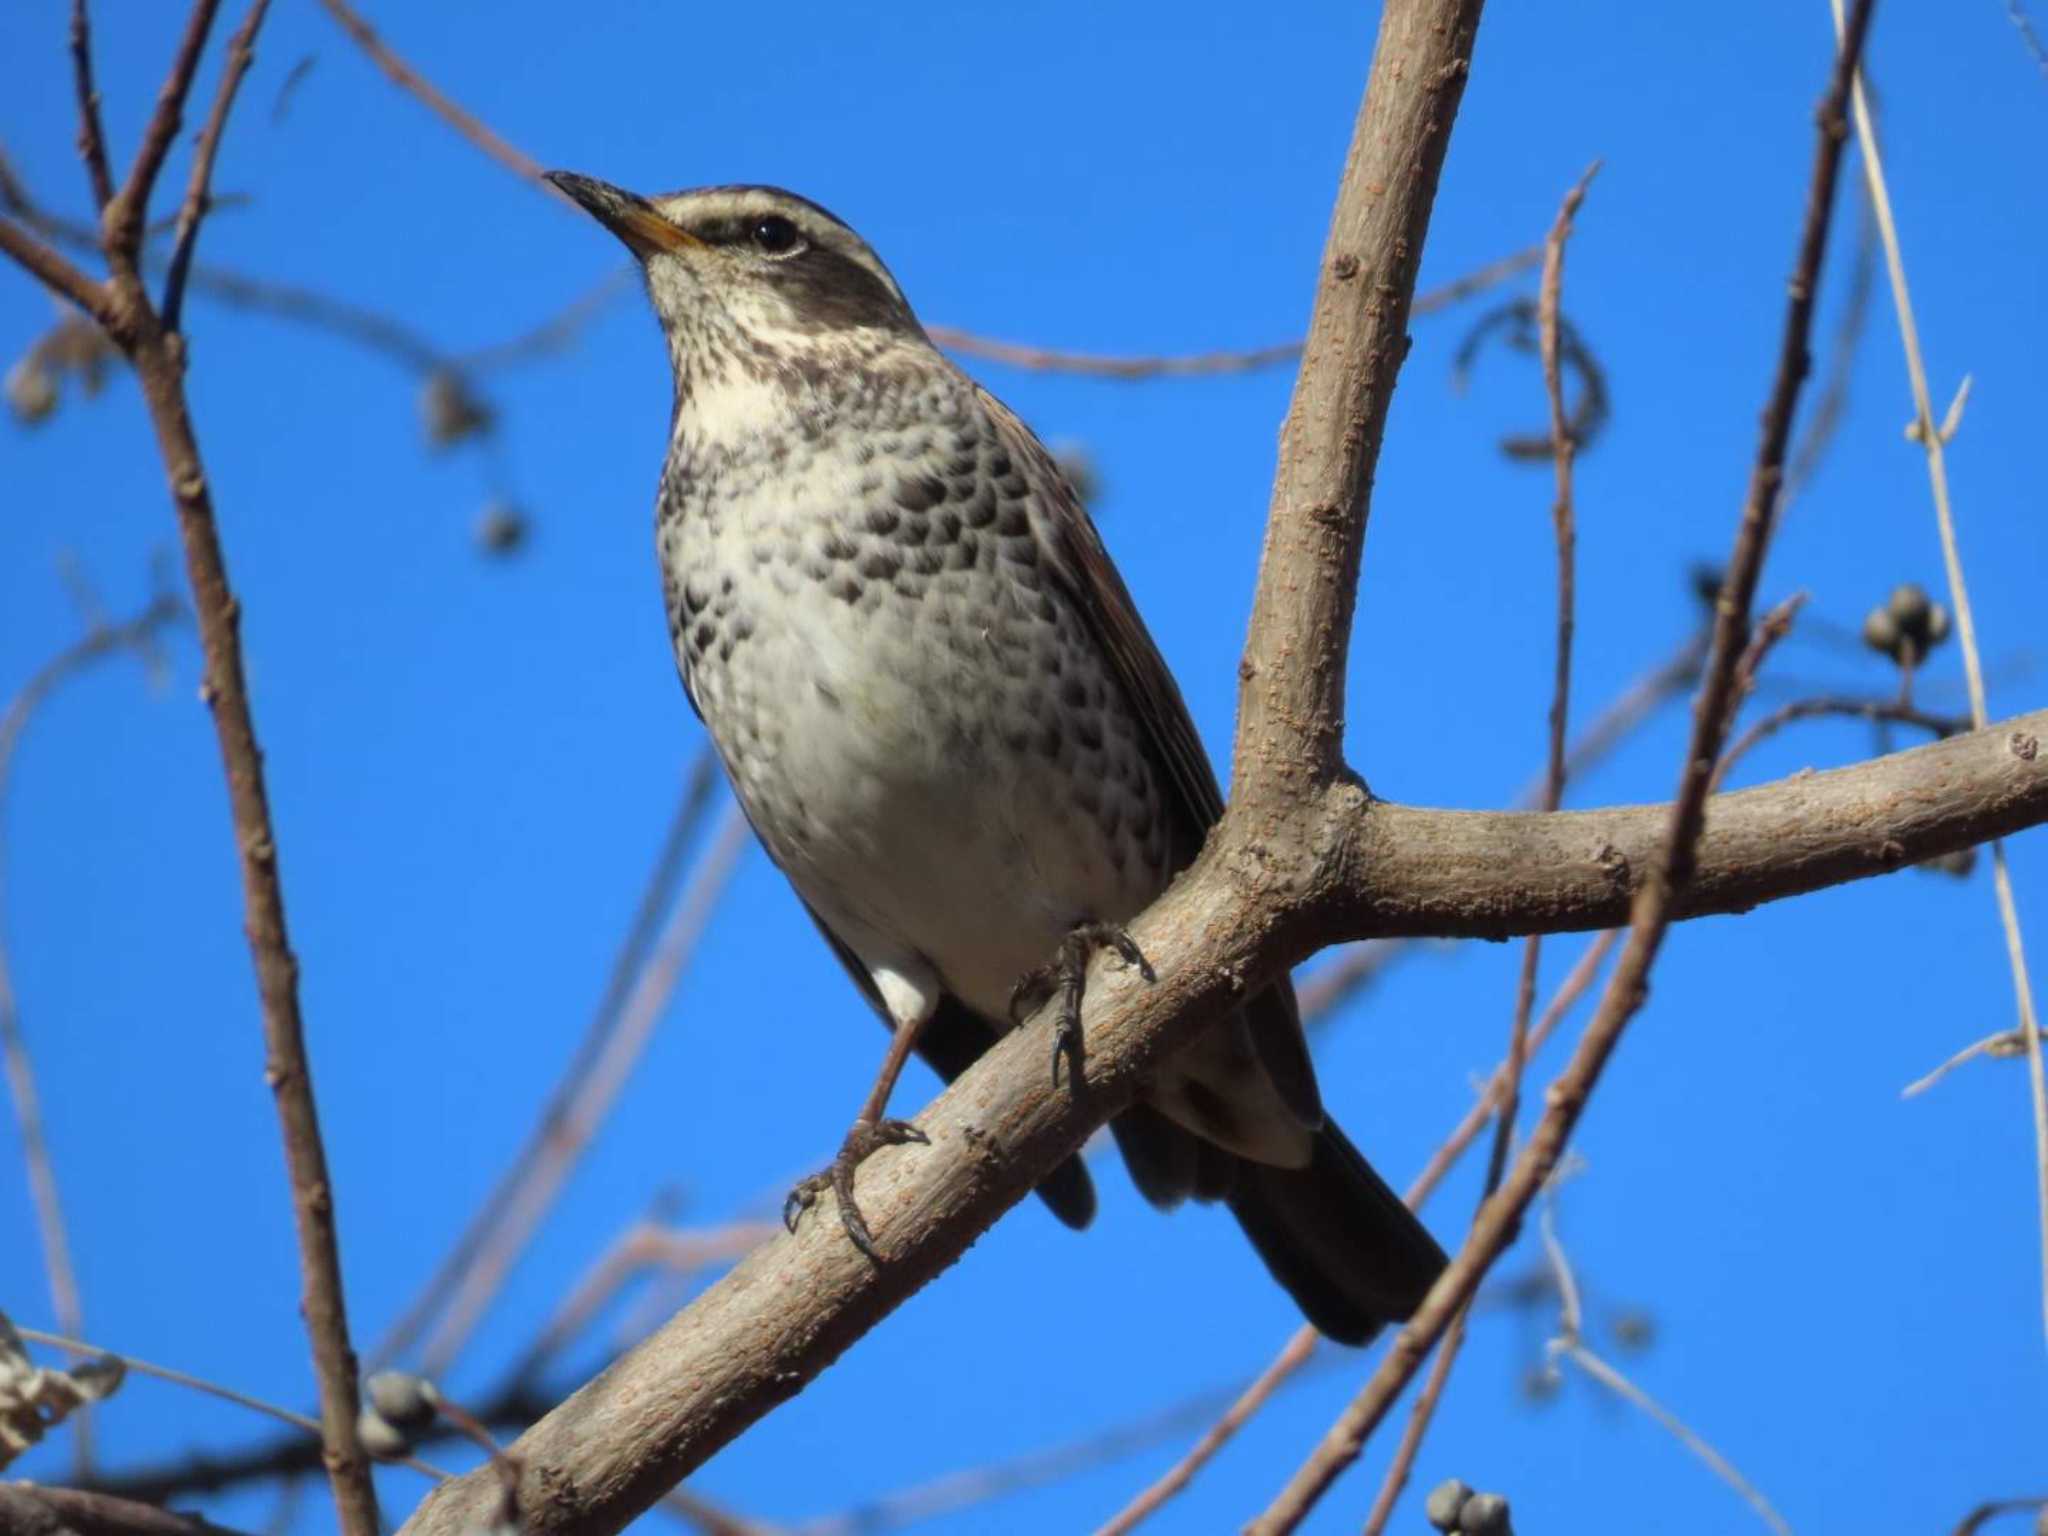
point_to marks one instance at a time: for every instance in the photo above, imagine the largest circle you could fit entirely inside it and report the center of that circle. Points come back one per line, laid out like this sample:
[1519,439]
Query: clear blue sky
[471,760]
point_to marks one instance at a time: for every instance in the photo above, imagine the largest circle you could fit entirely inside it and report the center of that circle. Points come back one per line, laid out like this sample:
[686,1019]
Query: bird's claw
[1067,974]
[865,1138]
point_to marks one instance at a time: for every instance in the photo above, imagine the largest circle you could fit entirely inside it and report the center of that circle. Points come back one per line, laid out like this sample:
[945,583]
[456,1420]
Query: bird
[950,729]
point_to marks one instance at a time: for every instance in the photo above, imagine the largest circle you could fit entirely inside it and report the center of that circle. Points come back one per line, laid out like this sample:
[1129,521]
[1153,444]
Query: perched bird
[948,725]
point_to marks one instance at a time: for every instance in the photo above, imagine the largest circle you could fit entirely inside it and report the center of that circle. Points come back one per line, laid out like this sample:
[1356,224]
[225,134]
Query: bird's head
[756,270]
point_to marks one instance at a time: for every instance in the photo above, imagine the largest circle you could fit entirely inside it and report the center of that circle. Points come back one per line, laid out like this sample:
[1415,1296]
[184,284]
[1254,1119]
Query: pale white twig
[2007,1042]
[1933,443]
[1570,1345]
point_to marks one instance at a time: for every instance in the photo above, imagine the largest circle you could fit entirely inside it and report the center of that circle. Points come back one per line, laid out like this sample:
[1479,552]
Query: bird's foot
[866,1137]
[1067,974]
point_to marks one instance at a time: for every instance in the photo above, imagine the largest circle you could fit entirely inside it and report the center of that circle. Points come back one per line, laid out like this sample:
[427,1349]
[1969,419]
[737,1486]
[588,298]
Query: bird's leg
[1067,974]
[870,1131]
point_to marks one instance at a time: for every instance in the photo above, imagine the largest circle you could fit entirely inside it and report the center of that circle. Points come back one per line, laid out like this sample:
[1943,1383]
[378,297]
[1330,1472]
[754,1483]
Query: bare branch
[1830,705]
[241,52]
[1672,871]
[641,938]
[30,1509]
[1102,366]
[1291,700]
[1986,1512]
[1302,1345]
[1933,441]
[125,216]
[92,137]
[410,80]
[48,267]
[2006,1043]
[1254,1397]
[1571,1345]
[2030,39]
[102,640]
[586,1096]
[224,688]
[1563,446]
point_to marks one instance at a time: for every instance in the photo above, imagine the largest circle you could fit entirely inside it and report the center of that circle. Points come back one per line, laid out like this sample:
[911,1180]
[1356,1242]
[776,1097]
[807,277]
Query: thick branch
[795,1304]
[49,268]
[1496,874]
[1291,705]
[27,1509]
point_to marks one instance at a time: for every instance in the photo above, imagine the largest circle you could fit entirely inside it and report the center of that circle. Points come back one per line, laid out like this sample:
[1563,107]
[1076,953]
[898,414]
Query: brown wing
[1083,565]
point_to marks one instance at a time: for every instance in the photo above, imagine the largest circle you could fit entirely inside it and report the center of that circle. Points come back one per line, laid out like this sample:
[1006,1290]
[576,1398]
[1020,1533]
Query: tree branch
[28,1509]
[241,52]
[795,1304]
[92,138]
[46,266]
[159,359]
[412,81]
[1291,702]
[1672,871]
[124,217]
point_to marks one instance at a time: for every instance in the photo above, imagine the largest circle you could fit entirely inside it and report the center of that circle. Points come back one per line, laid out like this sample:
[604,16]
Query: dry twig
[1570,1344]
[1933,440]
[411,81]
[122,306]
[241,53]
[137,635]
[1563,446]
[641,938]
[585,1097]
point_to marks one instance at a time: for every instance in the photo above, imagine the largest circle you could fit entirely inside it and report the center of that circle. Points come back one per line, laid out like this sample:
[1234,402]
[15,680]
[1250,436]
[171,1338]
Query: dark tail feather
[1341,1243]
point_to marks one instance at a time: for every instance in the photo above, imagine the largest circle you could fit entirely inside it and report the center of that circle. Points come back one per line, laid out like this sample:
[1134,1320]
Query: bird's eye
[773,235]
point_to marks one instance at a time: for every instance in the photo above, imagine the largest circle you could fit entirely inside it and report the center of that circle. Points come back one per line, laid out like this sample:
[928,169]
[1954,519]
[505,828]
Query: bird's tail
[1341,1243]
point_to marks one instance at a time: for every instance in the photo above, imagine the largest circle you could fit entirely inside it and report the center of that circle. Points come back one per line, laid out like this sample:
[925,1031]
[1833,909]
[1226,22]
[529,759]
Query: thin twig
[200,1384]
[1990,1510]
[158,359]
[1302,1345]
[43,263]
[1042,359]
[1848,708]
[1654,906]
[1292,1357]
[956,1492]
[412,81]
[644,1245]
[1570,1345]
[1934,444]
[92,137]
[655,899]
[588,1097]
[2031,39]
[2007,1042]
[1831,404]
[126,215]
[102,640]
[1549,315]
[1102,366]
[241,53]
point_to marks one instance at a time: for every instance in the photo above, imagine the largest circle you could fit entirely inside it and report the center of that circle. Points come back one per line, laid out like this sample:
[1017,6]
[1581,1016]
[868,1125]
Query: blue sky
[472,759]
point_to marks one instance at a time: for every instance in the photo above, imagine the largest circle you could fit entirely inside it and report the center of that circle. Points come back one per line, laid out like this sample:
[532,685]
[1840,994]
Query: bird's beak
[632,218]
